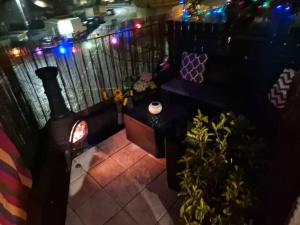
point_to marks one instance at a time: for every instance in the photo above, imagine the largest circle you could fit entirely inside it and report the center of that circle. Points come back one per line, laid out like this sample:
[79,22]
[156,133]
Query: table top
[170,113]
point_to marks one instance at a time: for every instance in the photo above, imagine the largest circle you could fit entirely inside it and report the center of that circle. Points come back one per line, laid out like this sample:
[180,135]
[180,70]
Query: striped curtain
[15,184]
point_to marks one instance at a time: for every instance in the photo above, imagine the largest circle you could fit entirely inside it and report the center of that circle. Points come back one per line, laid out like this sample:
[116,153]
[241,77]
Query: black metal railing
[89,68]
[16,116]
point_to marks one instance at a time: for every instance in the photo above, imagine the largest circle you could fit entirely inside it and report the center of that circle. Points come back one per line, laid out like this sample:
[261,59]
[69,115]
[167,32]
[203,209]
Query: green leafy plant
[218,182]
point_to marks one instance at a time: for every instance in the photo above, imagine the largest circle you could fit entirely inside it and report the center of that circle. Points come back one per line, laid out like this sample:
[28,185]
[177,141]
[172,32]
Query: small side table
[150,131]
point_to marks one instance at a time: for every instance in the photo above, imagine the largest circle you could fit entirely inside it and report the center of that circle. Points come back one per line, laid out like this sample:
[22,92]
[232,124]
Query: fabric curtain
[15,184]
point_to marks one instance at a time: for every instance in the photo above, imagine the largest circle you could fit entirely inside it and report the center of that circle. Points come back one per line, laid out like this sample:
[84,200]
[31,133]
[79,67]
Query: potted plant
[219,182]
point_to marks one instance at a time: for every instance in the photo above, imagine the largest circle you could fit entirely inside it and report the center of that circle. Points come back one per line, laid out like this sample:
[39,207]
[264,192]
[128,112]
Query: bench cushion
[193,67]
[221,97]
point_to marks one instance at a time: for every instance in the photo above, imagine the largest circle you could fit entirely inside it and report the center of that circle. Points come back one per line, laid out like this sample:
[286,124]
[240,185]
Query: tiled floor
[118,183]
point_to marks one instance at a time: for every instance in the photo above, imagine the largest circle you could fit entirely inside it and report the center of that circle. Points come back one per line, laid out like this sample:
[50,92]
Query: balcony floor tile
[118,183]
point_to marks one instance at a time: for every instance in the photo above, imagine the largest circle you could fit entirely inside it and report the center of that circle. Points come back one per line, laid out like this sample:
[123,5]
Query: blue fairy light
[283,9]
[185,15]
[219,10]
[118,32]
[62,50]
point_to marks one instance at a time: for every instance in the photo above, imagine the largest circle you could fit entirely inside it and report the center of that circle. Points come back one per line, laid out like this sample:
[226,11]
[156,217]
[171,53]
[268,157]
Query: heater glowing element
[79,132]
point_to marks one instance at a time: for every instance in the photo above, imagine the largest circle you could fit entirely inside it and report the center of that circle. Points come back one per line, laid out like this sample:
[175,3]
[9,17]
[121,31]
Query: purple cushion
[193,67]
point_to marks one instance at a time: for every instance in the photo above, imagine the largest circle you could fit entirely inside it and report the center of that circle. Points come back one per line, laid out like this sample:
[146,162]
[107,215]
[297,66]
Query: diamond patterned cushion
[193,67]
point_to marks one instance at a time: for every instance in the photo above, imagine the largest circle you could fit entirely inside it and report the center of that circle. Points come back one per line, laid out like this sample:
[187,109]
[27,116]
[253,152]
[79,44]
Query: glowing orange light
[16,52]
[79,132]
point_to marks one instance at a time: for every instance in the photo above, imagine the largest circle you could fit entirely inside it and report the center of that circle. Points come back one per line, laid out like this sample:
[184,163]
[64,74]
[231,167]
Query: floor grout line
[134,196]
[101,162]
[79,217]
[108,156]
[118,175]
[135,180]
[122,207]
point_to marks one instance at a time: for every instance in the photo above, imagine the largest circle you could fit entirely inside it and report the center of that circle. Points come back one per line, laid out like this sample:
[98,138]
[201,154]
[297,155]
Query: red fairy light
[74,50]
[138,26]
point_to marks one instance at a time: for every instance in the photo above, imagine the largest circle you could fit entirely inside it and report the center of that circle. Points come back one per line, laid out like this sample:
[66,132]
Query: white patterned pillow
[279,92]
[193,67]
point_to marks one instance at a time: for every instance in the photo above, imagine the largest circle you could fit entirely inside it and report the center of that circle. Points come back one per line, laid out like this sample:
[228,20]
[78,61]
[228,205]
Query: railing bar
[72,82]
[105,57]
[121,70]
[136,53]
[140,44]
[102,82]
[80,79]
[34,61]
[113,63]
[87,75]
[45,59]
[94,73]
[125,54]
[63,83]
[21,89]
[152,48]
[20,92]
[8,90]
[28,75]
[33,67]
[131,55]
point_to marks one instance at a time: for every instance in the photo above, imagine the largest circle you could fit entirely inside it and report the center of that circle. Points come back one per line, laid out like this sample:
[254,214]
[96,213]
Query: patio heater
[66,131]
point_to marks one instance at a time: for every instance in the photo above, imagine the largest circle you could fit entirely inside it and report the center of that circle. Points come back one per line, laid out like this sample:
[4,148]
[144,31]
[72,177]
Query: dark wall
[12,16]
[252,41]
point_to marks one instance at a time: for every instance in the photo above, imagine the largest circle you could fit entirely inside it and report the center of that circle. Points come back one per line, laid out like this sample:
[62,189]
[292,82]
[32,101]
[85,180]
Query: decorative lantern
[155,107]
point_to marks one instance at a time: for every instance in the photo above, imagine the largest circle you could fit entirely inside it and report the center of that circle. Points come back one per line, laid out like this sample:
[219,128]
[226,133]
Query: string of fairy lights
[191,9]
[195,9]
[75,46]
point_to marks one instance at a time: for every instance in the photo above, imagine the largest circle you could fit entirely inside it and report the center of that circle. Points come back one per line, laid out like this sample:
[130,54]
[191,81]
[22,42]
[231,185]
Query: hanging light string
[114,39]
[194,8]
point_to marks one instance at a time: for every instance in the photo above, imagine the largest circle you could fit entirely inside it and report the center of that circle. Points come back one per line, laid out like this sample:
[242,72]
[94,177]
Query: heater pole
[63,123]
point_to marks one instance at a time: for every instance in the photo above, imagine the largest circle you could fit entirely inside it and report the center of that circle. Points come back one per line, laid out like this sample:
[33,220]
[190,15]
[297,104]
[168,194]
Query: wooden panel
[141,135]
